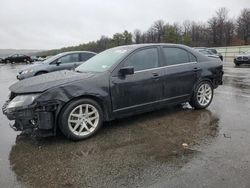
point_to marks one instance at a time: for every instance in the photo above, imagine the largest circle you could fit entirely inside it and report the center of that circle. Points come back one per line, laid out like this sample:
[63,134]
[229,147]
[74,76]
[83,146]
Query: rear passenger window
[143,59]
[86,56]
[175,56]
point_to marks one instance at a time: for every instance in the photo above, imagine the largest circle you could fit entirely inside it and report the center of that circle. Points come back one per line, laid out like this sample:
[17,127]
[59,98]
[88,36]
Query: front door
[141,89]
[66,62]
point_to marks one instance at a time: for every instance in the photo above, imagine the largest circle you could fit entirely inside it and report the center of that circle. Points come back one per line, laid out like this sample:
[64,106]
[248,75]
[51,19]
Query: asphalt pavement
[172,147]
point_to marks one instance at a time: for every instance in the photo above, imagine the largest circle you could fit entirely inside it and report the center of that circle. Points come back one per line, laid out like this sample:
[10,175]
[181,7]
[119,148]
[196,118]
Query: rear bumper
[218,79]
[31,118]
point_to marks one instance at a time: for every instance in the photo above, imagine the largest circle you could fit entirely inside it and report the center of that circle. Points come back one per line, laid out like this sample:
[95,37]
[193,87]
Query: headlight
[27,71]
[22,101]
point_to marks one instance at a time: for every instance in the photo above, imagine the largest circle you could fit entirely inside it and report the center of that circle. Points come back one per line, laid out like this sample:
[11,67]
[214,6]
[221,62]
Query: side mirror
[58,62]
[126,71]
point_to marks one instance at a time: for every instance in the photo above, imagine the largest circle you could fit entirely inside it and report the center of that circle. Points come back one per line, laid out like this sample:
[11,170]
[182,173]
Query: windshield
[103,61]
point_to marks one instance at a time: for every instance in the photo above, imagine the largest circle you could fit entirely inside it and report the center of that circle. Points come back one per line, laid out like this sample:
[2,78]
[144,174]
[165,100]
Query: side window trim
[166,66]
[115,71]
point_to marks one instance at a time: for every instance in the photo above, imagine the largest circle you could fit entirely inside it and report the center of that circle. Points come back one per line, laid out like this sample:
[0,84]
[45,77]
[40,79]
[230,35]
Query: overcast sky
[46,24]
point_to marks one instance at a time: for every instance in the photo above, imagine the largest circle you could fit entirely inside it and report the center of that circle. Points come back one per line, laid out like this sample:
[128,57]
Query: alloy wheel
[204,94]
[83,119]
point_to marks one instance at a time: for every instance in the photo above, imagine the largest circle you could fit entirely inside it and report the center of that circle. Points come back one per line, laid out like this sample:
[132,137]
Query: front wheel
[202,96]
[81,119]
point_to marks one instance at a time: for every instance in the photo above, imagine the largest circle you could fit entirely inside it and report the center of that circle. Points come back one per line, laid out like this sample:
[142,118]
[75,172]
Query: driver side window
[143,59]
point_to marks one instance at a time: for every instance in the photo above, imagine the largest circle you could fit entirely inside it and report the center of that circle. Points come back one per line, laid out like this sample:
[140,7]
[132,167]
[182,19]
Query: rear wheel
[202,96]
[81,119]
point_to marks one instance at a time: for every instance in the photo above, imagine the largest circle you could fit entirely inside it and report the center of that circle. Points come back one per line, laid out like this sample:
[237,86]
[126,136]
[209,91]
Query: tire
[202,99]
[75,128]
[237,64]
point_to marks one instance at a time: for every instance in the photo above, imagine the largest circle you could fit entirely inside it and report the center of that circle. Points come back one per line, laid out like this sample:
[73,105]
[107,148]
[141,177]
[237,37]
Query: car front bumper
[21,76]
[242,61]
[37,119]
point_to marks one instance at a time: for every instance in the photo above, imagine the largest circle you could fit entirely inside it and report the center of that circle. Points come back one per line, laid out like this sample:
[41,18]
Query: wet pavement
[173,147]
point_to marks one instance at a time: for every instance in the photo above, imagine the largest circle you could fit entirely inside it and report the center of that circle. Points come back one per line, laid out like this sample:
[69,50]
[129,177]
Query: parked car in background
[37,58]
[207,53]
[243,58]
[118,82]
[17,58]
[216,53]
[62,61]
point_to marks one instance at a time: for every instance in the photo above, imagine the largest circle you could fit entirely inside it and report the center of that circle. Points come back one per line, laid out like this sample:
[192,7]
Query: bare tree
[158,28]
[243,25]
[137,36]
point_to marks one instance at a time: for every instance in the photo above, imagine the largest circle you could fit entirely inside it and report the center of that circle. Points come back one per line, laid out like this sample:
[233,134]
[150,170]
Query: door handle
[196,69]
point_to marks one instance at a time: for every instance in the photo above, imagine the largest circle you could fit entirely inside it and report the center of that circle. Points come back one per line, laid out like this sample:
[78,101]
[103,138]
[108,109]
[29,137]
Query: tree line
[220,30]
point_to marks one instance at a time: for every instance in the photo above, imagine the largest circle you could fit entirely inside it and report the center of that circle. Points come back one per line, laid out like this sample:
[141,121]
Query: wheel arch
[97,99]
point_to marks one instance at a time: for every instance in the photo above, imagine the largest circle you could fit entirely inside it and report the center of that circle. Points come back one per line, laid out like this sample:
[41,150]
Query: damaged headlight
[22,101]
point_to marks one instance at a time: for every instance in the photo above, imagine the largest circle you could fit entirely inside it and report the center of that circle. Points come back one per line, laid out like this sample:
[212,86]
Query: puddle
[128,152]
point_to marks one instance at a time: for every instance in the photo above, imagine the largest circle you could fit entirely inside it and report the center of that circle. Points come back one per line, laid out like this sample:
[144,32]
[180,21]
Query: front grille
[242,58]
[245,58]
[239,58]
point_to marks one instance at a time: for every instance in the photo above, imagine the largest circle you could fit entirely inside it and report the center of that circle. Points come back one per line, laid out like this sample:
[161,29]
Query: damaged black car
[118,82]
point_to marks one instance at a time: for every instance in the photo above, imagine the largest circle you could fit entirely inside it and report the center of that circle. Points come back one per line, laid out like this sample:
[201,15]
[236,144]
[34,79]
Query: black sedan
[17,58]
[118,82]
[243,58]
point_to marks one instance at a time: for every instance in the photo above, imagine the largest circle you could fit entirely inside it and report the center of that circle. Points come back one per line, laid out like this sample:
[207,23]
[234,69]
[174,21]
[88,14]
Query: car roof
[195,52]
[135,46]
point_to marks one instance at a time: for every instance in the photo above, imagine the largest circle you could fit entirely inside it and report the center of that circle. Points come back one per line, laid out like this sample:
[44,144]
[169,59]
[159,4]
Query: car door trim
[148,103]
[181,64]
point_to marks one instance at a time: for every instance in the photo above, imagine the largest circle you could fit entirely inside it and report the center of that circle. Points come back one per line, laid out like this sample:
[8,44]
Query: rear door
[142,89]
[180,73]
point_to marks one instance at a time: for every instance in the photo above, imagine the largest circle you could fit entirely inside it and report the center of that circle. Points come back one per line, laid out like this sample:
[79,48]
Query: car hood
[35,65]
[44,82]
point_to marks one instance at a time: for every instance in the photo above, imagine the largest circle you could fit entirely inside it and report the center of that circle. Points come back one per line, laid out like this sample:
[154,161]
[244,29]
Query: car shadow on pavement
[133,151]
